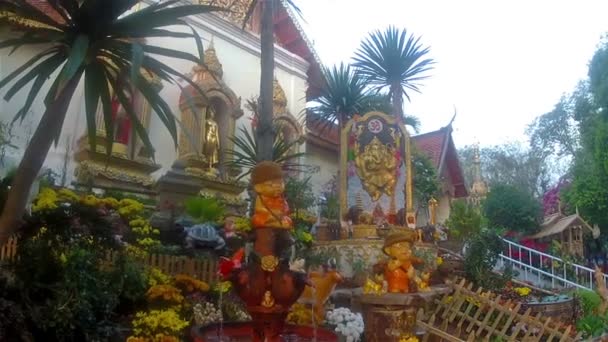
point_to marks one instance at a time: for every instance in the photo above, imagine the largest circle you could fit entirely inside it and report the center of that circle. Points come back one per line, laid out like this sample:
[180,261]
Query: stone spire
[212,62]
[479,189]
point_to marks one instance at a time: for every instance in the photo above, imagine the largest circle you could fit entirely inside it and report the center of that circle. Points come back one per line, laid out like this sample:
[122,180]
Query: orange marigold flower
[164,292]
[190,284]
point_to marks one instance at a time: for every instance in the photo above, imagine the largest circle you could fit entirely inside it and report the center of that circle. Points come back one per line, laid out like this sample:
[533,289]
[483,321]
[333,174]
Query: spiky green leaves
[393,57]
[100,40]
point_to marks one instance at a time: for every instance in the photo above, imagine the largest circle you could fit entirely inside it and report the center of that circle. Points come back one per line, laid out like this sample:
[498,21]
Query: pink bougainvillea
[551,198]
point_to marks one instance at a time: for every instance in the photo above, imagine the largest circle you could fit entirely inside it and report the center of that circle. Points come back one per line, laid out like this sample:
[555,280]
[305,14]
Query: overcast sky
[500,63]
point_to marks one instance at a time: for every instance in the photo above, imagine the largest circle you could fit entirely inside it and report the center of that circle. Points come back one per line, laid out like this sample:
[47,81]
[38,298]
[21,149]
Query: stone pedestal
[115,172]
[348,252]
[180,183]
[390,316]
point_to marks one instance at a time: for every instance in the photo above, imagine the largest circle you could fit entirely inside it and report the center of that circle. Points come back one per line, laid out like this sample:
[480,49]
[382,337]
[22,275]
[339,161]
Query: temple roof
[557,223]
[437,145]
[288,31]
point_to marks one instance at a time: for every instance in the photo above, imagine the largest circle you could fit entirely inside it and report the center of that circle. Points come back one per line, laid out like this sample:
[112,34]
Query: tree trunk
[34,156]
[397,101]
[265,128]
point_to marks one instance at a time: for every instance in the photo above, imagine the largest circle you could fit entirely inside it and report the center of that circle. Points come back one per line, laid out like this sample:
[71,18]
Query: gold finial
[212,62]
[279,100]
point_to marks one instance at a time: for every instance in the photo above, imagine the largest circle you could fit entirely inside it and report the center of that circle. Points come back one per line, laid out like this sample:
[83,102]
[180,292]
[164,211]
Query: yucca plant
[395,60]
[382,103]
[98,41]
[343,94]
[244,155]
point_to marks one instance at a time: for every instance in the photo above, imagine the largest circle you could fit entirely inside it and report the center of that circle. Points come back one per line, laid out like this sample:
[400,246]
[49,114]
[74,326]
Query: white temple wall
[323,160]
[238,51]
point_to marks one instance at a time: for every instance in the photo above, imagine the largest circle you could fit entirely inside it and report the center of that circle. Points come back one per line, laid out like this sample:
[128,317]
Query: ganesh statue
[265,281]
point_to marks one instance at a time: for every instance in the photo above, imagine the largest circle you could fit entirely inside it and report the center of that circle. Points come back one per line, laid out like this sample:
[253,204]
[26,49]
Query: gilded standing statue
[212,140]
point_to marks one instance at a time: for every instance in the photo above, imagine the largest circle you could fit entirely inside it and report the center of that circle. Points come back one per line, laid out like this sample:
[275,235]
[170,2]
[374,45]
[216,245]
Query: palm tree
[382,103]
[245,154]
[343,94]
[97,40]
[393,60]
[265,132]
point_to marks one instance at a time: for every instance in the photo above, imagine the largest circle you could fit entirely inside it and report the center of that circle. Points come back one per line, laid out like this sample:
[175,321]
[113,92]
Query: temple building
[230,78]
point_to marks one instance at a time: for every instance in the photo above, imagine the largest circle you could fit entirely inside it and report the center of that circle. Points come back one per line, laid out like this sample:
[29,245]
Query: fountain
[265,282]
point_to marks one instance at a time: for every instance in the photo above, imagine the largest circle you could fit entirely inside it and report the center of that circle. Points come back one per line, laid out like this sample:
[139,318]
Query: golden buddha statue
[376,167]
[271,208]
[211,147]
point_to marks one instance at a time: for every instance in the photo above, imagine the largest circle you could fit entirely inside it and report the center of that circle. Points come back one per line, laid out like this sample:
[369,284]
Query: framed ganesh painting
[376,186]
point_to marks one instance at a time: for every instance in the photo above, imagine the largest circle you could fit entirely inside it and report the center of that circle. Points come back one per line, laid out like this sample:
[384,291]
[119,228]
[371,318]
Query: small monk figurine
[271,208]
[400,269]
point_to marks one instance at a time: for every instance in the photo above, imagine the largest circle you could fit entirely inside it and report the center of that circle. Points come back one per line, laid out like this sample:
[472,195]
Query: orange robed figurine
[400,269]
[271,208]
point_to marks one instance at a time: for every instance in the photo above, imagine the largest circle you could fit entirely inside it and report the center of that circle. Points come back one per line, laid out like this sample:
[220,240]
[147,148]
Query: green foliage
[509,164]
[589,300]
[426,182]
[464,221]
[555,132]
[245,156]
[511,208]
[480,258]
[298,193]
[5,184]
[592,325]
[110,52]
[393,57]
[120,195]
[204,209]
[330,208]
[343,94]
[67,290]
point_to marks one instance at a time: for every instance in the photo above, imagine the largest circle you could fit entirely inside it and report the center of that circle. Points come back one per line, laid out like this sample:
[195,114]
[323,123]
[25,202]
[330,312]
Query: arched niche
[195,108]
[287,125]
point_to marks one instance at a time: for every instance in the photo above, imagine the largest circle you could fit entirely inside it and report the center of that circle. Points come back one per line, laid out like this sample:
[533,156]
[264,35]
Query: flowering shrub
[157,277]
[300,315]
[206,313]
[154,322]
[522,291]
[165,293]
[348,324]
[189,284]
[242,224]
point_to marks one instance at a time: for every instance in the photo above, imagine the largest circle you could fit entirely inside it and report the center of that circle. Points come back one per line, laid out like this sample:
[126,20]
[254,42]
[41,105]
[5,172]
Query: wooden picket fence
[203,269]
[467,315]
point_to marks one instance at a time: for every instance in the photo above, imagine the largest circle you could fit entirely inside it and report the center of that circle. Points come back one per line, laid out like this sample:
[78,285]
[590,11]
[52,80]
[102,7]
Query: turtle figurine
[203,236]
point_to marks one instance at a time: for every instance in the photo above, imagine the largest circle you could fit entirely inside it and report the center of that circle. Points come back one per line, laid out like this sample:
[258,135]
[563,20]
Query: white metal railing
[544,269]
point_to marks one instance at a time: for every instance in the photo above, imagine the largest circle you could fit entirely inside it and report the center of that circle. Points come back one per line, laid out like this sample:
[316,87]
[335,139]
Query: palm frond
[244,155]
[379,102]
[102,41]
[393,56]
[342,95]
